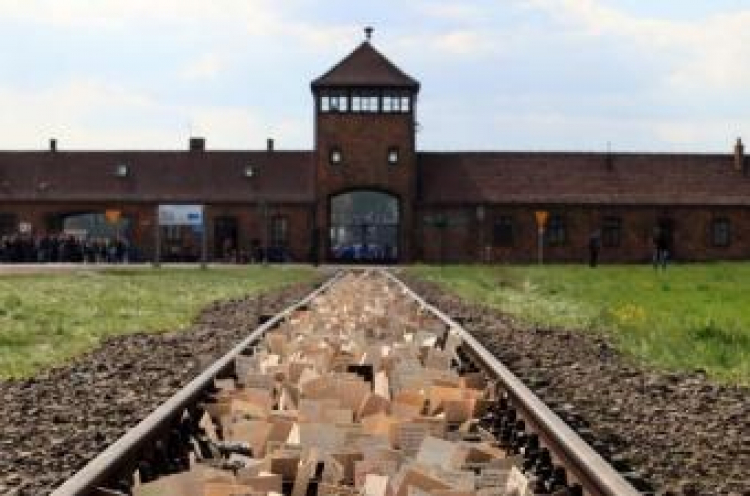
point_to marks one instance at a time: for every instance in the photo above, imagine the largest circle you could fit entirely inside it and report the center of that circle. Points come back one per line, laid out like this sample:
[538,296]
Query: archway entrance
[364,227]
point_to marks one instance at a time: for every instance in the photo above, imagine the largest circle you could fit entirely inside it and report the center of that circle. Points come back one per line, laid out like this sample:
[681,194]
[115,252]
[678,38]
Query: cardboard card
[440,453]
[208,427]
[333,470]
[277,343]
[458,410]
[437,359]
[325,489]
[463,480]
[338,416]
[244,365]
[219,408]
[378,424]
[408,436]
[517,484]
[265,482]
[351,392]
[347,461]
[363,468]
[373,403]
[227,489]
[257,408]
[257,380]
[285,465]
[289,397]
[438,394]
[323,437]
[225,384]
[311,410]
[269,361]
[382,385]
[304,474]
[253,432]
[409,397]
[414,477]
[184,484]
[375,485]
[474,380]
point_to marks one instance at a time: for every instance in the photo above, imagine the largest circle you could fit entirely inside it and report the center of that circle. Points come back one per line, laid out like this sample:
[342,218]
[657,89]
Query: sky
[628,75]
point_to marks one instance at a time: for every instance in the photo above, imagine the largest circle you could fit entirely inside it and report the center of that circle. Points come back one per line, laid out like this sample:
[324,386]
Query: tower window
[396,102]
[721,232]
[393,155]
[612,232]
[334,102]
[556,232]
[365,102]
[335,156]
[502,234]
[388,104]
[405,104]
[279,231]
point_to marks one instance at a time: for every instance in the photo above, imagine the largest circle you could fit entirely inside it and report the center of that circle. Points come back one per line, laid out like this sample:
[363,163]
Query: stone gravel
[671,433]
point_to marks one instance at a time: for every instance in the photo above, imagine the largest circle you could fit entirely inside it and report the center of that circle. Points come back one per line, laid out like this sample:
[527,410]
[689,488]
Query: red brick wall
[463,238]
[364,140]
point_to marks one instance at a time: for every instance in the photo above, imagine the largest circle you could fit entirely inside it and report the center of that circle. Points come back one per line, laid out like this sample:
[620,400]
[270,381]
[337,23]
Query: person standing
[595,245]
[661,249]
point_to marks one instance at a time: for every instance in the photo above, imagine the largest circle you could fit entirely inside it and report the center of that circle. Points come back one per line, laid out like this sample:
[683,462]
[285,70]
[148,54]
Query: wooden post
[157,239]
[204,238]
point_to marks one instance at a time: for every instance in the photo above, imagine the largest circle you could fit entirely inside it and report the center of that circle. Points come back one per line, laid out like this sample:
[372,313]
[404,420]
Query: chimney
[197,144]
[53,145]
[269,144]
[739,156]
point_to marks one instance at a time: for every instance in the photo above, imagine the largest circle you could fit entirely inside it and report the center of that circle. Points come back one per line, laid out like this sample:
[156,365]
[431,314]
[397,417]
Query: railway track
[360,377]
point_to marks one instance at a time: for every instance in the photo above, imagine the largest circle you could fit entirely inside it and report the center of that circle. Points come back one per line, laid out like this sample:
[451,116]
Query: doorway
[364,227]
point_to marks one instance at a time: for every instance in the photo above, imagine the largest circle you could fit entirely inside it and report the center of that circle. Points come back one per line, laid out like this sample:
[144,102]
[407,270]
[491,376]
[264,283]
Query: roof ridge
[356,70]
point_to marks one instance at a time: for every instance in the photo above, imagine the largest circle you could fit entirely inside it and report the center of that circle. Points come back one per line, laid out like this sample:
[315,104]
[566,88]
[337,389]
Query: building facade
[365,193]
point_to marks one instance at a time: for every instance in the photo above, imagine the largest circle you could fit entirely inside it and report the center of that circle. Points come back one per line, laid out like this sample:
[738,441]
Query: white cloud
[463,12]
[91,114]
[705,54]
[262,21]
[206,67]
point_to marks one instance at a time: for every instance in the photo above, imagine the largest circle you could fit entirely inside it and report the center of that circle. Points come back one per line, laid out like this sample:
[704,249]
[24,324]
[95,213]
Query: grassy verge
[690,317]
[45,319]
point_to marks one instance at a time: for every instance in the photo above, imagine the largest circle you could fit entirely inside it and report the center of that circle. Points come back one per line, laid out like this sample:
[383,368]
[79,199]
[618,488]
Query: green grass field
[690,317]
[45,319]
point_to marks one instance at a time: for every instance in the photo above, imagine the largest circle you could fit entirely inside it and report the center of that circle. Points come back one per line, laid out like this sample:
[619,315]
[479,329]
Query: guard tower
[365,158]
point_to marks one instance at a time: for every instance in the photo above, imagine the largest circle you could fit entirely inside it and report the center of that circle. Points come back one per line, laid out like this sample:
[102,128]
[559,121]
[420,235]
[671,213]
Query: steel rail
[98,470]
[586,466]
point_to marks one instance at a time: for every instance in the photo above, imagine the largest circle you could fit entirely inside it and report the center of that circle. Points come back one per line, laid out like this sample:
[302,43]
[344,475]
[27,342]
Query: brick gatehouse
[366,193]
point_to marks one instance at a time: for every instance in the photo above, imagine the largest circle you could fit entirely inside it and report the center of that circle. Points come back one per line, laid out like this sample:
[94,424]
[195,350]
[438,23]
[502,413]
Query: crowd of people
[62,248]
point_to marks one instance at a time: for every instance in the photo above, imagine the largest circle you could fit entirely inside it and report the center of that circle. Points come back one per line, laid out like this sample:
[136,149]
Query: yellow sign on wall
[541,218]
[112,216]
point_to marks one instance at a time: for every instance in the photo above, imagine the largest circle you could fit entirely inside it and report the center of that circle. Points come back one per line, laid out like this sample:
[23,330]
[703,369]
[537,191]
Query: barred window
[334,102]
[279,231]
[8,223]
[556,232]
[612,232]
[502,233]
[721,232]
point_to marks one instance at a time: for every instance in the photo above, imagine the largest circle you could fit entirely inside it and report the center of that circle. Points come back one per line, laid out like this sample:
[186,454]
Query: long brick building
[366,193]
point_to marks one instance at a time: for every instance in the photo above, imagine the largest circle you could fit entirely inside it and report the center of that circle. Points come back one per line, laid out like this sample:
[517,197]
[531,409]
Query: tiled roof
[581,178]
[179,176]
[365,67]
